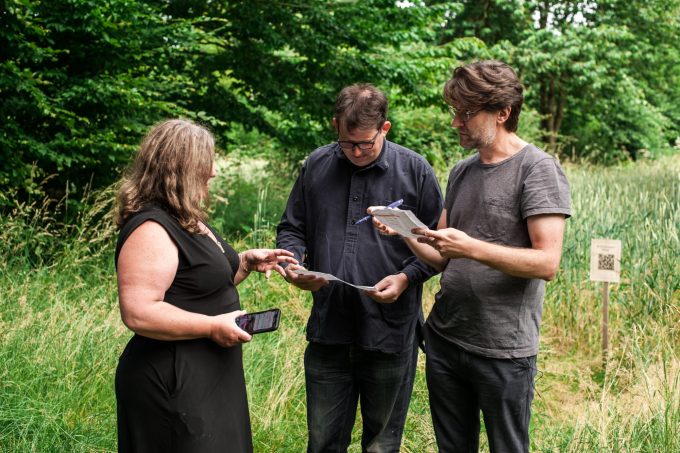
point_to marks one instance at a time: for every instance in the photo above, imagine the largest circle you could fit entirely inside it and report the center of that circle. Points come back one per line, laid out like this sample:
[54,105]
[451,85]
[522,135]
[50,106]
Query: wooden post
[605,266]
[605,323]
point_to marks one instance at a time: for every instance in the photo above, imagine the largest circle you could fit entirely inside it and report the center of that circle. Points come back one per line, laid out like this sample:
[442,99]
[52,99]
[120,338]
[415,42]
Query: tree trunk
[551,108]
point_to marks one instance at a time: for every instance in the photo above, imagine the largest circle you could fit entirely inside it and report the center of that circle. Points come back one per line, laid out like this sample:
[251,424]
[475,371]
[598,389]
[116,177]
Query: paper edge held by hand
[400,220]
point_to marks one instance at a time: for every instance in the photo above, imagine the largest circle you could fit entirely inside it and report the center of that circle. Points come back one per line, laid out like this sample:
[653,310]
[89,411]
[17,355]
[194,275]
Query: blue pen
[394,204]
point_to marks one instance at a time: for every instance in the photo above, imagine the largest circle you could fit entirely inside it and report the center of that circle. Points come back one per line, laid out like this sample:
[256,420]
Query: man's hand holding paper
[391,222]
[389,288]
[308,282]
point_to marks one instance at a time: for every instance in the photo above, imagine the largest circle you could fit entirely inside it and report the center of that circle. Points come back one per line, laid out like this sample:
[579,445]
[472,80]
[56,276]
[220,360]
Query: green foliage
[32,233]
[592,104]
[82,81]
[281,64]
[490,21]
[602,75]
[655,53]
[428,132]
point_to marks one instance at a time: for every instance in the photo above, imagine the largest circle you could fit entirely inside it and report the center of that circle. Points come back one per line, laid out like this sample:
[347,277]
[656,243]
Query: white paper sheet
[401,221]
[331,278]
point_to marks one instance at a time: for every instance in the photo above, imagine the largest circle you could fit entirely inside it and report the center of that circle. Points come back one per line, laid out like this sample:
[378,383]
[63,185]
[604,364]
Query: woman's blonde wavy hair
[171,171]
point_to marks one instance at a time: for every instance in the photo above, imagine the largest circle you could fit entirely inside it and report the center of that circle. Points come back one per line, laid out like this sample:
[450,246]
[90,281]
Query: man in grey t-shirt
[498,240]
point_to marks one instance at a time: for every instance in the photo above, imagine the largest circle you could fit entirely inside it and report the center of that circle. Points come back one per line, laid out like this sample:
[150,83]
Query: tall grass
[631,403]
[60,331]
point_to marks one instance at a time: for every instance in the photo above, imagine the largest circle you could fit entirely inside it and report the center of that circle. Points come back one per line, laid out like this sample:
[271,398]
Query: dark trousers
[461,384]
[337,377]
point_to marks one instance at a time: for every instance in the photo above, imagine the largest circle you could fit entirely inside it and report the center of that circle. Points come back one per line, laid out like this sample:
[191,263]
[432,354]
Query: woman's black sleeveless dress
[188,395]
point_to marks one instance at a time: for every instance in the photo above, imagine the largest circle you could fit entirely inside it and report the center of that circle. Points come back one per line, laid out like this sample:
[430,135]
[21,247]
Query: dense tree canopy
[602,75]
[81,80]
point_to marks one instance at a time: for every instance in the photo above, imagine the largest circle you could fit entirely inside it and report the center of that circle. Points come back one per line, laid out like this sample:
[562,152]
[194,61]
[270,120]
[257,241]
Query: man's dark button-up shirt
[318,226]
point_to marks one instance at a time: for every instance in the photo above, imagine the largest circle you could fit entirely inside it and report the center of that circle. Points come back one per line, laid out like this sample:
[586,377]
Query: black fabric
[318,226]
[337,377]
[461,384]
[189,395]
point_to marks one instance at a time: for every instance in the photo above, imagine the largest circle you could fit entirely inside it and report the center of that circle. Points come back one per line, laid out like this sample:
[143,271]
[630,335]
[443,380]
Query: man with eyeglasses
[498,240]
[363,345]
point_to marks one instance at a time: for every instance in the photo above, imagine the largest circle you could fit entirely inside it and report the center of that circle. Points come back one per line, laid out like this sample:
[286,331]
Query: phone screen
[262,321]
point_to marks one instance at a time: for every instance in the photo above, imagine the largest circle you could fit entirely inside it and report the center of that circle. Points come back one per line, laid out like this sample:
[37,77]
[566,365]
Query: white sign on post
[605,260]
[605,266]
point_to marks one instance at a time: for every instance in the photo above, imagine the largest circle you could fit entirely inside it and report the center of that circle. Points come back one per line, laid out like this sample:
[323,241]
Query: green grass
[61,334]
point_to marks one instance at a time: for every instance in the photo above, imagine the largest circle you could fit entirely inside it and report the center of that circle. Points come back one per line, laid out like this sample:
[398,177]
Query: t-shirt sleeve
[546,190]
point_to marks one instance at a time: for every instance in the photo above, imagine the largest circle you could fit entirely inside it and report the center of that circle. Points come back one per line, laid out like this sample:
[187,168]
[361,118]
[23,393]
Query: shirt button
[355,198]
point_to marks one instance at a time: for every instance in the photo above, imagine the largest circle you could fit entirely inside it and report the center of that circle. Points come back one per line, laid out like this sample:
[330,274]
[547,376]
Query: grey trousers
[461,384]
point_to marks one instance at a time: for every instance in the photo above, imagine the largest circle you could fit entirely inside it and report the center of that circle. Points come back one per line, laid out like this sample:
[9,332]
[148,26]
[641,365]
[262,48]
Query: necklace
[211,236]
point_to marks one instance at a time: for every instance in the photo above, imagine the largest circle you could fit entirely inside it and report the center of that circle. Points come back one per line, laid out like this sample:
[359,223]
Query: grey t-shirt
[480,309]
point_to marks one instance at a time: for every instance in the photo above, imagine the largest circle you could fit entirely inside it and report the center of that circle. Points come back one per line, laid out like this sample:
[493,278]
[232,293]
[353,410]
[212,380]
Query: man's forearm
[518,262]
[427,254]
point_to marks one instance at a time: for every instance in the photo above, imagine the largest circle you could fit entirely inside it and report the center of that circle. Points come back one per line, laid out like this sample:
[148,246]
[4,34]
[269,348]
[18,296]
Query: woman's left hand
[266,260]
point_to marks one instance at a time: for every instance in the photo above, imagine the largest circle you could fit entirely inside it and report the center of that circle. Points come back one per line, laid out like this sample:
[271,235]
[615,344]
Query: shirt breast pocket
[496,217]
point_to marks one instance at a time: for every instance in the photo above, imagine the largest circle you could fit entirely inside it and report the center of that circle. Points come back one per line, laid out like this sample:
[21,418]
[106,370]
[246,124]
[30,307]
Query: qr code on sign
[605,262]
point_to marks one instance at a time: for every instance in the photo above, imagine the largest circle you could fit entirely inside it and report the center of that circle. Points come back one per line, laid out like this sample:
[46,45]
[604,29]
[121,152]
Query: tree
[80,82]
[277,66]
[602,75]
[83,80]
[589,96]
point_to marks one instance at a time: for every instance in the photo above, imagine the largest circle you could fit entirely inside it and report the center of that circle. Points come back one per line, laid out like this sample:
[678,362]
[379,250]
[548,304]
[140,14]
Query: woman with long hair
[179,383]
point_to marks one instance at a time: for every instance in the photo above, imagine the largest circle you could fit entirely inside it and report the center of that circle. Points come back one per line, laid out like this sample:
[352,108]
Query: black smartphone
[261,321]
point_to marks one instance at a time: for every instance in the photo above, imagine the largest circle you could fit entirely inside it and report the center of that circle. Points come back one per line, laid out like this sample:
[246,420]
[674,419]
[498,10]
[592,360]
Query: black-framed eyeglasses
[348,145]
[464,115]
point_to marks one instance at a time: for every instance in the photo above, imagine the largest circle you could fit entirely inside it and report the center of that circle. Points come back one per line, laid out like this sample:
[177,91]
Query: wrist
[243,263]
[211,327]
[403,277]
[473,249]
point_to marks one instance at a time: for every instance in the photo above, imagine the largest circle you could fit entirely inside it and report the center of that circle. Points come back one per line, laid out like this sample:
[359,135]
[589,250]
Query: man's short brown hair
[361,106]
[487,85]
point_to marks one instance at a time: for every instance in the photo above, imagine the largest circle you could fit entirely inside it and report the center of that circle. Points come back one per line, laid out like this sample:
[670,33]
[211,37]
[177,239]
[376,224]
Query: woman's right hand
[225,332]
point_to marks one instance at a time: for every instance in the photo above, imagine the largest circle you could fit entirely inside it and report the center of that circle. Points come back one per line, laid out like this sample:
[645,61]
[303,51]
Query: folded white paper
[401,221]
[331,278]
